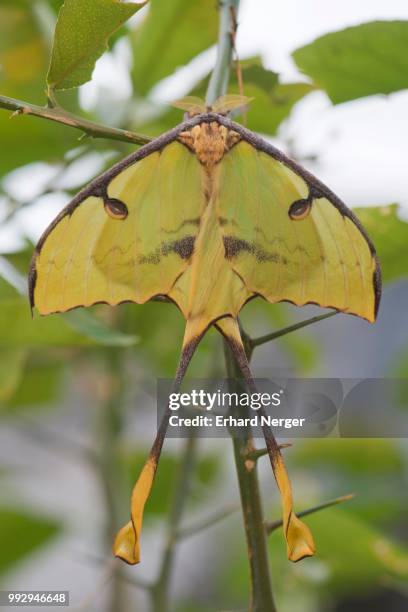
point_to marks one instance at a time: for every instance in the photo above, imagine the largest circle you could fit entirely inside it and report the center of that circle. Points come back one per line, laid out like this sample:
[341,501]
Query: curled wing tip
[127,561]
[300,542]
[127,541]
[301,556]
[126,546]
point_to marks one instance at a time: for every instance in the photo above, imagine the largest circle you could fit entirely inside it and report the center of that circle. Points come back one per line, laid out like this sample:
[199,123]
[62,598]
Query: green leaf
[172,34]
[18,329]
[76,328]
[81,37]
[273,101]
[87,324]
[253,72]
[23,50]
[267,111]
[360,61]
[20,534]
[23,60]
[389,234]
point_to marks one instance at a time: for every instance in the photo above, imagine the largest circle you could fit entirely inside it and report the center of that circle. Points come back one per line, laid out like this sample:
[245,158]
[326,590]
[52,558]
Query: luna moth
[207,216]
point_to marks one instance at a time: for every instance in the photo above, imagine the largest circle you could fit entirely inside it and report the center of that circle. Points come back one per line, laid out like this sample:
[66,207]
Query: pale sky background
[361,145]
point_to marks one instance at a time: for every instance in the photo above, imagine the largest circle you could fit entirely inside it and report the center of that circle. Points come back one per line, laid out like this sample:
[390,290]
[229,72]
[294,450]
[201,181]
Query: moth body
[209,142]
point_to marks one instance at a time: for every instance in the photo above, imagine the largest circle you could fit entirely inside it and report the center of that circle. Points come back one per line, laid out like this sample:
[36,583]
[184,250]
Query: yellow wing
[128,237]
[289,238]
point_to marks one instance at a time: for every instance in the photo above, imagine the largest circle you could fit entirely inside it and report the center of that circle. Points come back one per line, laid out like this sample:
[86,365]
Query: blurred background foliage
[77,391]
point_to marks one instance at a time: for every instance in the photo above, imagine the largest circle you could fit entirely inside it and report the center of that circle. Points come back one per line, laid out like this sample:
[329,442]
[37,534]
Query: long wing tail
[298,537]
[127,541]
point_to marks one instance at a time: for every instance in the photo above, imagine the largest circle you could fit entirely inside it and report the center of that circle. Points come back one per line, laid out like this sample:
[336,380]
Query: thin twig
[61,115]
[209,521]
[255,454]
[254,342]
[273,525]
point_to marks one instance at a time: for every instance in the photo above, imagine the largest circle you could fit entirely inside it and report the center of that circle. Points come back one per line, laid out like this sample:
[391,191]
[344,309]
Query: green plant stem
[220,75]
[273,525]
[60,115]
[160,590]
[261,588]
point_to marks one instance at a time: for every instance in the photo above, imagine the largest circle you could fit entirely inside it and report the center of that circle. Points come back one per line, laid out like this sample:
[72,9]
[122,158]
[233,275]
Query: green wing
[128,238]
[288,240]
